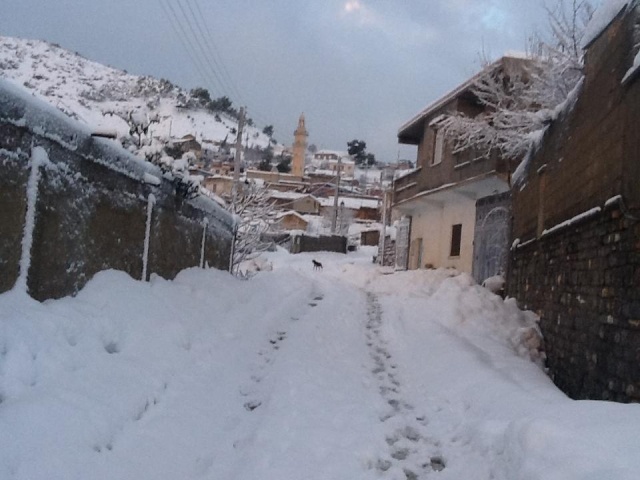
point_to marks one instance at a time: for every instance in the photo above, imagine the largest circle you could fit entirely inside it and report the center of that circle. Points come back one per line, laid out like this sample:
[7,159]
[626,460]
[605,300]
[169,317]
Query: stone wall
[91,206]
[589,153]
[576,214]
[582,280]
[305,243]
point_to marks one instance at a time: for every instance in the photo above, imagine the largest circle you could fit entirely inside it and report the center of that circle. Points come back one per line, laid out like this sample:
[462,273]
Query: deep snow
[346,373]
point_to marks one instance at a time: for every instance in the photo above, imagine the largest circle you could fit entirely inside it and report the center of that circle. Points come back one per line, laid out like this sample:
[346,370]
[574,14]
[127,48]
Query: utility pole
[383,240]
[335,198]
[238,157]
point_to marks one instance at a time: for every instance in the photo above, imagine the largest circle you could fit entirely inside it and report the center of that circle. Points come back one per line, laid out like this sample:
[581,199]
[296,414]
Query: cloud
[352,6]
[355,9]
[394,25]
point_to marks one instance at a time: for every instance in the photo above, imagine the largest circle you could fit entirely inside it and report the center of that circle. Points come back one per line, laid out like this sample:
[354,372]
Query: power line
[208,40]
[189,45]
[184,44]
[199,56]
[203,52]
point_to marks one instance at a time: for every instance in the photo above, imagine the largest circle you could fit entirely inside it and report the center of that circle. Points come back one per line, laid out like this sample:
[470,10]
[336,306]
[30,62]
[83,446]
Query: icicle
[145,256]
[39,158]
[205,223]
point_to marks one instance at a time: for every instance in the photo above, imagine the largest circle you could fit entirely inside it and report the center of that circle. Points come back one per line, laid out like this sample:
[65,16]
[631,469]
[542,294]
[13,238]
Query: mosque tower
[299,148]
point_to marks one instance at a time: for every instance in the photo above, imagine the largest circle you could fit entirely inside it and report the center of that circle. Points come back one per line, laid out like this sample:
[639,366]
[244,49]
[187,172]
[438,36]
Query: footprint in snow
[252,405]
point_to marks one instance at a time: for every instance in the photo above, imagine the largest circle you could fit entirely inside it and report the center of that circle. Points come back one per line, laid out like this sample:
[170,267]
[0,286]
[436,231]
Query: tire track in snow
[411,452]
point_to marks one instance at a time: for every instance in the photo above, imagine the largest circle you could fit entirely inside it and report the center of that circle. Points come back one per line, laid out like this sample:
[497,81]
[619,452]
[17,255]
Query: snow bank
[472,311]
[211,377]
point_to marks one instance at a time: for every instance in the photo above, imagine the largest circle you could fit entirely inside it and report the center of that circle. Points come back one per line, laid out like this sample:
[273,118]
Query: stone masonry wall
[582,281]
[91,208]
[305,243]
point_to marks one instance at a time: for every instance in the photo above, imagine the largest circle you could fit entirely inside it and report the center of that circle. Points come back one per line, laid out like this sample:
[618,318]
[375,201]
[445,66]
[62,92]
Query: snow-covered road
[345,373]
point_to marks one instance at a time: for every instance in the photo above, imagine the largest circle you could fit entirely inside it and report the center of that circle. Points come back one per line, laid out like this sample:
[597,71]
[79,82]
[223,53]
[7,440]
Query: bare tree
[518,103]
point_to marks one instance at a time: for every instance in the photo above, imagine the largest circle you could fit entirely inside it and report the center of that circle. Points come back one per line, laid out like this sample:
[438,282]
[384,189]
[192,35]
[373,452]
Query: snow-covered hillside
[85,90]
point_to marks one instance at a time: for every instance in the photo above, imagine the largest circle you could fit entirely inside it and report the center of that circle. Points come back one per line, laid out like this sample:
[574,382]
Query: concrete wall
[91,206]
[304,243]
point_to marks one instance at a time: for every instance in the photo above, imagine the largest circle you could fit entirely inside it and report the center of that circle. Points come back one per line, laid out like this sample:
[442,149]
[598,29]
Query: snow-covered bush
[256,214]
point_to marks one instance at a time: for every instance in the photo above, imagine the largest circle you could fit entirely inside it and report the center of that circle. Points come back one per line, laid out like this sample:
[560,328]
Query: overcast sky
[356,68]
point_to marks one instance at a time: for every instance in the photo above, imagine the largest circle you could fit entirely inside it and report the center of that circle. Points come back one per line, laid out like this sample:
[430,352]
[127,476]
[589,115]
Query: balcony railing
[406,186]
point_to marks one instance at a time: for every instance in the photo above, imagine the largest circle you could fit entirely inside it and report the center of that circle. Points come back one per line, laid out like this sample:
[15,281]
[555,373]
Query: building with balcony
[455,205]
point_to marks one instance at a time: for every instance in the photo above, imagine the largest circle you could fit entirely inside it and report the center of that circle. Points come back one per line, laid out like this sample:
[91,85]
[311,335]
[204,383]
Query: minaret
[299,148]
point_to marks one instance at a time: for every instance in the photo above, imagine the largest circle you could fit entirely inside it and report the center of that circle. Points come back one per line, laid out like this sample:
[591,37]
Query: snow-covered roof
[220,177]
[332,152]
[289,213]
[328,173]
[371,174]
[290,195]
[351,202]
[442,101]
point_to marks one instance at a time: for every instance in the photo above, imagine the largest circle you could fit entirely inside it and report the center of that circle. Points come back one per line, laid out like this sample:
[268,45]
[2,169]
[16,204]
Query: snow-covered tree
[518,103]
[138,122]
[256,214]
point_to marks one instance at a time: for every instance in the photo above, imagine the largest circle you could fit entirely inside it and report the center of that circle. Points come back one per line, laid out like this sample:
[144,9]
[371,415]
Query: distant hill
[86,90]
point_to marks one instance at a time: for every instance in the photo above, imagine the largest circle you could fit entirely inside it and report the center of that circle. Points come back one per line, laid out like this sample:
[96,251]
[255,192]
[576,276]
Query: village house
[576,231]
[329,161]
[454,204]
[188,143]
[298,202]
[218,167]
[352,208]
[290,221]
[221,185]
[274,177]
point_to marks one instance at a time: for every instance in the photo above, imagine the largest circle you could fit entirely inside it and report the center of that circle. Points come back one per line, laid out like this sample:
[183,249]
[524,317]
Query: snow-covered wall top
[19,107]
[601,19]
[23,109]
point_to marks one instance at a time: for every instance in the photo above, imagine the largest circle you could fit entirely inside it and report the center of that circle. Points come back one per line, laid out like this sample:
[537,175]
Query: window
[438,147]
[456,238]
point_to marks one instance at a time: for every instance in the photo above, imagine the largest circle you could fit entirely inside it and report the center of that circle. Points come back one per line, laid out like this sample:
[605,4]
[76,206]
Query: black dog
[316,265]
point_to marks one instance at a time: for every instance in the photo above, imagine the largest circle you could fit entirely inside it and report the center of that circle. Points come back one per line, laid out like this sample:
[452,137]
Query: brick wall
[582,281]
